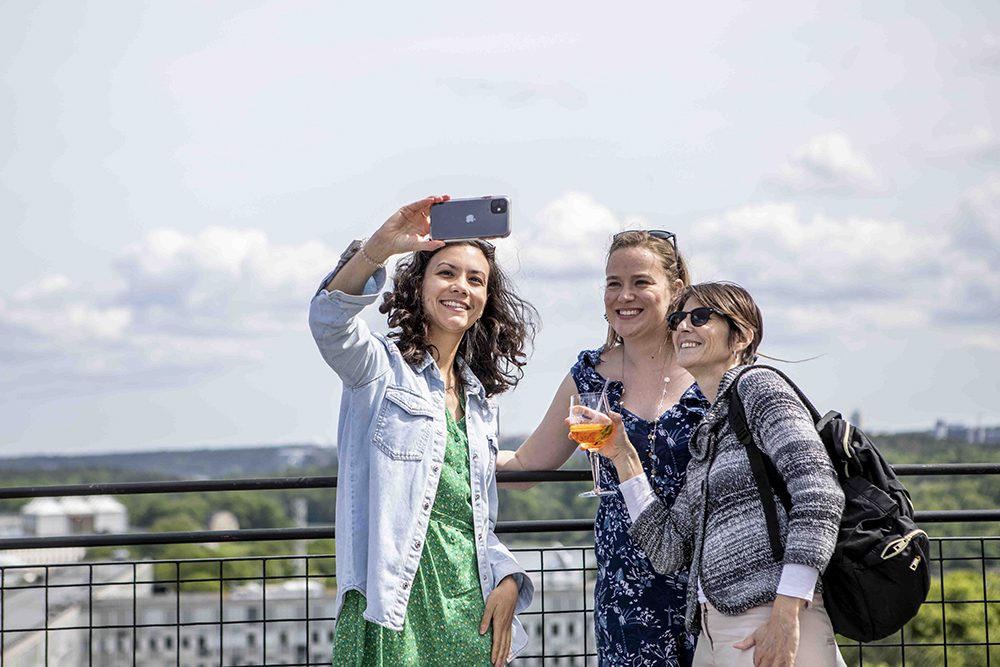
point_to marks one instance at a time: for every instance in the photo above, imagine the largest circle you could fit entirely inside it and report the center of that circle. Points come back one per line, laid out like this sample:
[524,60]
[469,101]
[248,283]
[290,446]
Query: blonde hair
[671,262]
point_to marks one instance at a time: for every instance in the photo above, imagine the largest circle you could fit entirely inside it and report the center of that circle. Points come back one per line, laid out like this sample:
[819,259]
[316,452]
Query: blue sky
[175,178]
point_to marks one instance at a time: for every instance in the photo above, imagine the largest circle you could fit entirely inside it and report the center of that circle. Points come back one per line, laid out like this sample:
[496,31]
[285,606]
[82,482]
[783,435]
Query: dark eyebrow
[451,266]
[634,276]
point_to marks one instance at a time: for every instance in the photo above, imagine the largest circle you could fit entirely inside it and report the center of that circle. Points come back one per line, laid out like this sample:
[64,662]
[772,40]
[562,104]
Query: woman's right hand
[618,444]
[404,230]
[620,450]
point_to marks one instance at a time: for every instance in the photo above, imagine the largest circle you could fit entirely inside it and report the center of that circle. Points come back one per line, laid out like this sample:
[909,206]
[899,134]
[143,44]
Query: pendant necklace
[659,406]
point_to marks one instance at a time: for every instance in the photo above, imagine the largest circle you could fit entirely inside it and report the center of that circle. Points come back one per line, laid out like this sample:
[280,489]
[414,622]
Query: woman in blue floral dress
[638,614]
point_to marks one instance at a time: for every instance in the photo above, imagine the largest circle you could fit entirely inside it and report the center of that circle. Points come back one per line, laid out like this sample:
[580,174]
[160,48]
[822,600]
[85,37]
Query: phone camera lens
[498,206]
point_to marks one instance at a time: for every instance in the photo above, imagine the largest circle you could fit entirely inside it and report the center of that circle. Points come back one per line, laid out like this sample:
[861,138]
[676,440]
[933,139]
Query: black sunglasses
[699,317]
[670,237]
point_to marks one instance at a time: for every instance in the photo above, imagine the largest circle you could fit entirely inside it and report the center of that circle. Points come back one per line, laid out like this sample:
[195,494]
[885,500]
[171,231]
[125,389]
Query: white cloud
[828,163]
[221,278]
[979,143]
[852,277]
[565,241]
[775,247]
[180,301]
[977,227]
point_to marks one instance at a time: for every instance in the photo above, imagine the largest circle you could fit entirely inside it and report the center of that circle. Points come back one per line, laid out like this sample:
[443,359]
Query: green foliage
[960,621]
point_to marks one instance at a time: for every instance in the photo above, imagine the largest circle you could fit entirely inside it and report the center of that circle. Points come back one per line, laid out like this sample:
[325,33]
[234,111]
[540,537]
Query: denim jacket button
[416,544]
[477,496]
[427,503]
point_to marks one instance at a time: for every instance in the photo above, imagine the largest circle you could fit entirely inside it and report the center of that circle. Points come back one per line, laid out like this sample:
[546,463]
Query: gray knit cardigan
[721,536]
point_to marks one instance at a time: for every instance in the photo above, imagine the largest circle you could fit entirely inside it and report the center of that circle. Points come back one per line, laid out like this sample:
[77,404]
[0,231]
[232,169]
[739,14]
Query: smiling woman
[638,612]
[417,449]
[751,605]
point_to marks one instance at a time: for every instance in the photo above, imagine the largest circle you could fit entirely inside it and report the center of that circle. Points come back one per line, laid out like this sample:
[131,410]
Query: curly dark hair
[493,348]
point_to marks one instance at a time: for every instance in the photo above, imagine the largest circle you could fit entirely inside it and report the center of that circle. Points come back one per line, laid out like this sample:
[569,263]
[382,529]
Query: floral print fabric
[639,614]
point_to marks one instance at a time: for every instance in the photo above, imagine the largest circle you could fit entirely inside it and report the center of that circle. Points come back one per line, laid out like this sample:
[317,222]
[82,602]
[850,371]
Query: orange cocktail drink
[590,436]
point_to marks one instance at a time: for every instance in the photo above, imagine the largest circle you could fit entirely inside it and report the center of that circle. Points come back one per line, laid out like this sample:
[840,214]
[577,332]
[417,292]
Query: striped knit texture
[732,557]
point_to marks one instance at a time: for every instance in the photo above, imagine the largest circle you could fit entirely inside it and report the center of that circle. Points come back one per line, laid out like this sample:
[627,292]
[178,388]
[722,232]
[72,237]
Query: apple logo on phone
[470,219]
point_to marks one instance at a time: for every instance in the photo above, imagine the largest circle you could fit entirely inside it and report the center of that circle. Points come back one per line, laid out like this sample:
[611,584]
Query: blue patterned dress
[639,614]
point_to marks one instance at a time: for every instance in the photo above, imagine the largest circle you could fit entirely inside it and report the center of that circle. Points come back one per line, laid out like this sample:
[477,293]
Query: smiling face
[705,350]
[453,291]
[637,293]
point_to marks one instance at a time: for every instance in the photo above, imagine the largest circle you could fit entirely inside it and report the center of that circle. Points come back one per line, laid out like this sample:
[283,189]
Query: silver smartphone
[472,218]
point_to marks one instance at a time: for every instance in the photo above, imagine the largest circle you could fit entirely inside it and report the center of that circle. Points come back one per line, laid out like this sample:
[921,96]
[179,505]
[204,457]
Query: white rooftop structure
[74,515]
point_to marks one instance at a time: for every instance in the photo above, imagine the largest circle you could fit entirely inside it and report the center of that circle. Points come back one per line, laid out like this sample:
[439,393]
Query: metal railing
[279,610]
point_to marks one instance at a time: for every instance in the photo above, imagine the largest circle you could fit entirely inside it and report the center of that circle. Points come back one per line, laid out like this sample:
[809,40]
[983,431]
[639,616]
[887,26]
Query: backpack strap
[766,477]
[813,412]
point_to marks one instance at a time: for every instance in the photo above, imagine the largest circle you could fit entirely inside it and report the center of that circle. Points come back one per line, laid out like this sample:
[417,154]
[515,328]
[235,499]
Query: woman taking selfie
[422,578]
[750,608]
[638,613]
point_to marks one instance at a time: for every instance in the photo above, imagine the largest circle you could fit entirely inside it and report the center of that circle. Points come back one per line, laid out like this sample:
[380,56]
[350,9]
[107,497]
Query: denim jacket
[391,442]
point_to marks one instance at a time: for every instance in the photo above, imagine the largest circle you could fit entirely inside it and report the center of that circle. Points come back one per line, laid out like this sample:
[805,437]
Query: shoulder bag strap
[765,475]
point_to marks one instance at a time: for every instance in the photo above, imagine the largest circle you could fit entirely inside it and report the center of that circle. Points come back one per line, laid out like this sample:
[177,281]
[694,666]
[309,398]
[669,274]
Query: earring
[605,316]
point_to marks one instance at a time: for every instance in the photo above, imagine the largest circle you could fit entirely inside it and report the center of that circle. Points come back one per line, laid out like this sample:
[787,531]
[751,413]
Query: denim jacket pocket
[405,425]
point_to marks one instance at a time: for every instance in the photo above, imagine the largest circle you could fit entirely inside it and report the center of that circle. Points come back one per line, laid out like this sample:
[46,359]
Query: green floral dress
[446,604]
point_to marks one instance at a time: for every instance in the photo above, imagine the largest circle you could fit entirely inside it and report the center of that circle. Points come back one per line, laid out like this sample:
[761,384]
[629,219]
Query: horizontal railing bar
[329,482]
[328,532]
[169,486]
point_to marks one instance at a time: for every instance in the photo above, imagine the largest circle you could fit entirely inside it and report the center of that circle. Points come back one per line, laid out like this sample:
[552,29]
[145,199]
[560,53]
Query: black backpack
[878,575]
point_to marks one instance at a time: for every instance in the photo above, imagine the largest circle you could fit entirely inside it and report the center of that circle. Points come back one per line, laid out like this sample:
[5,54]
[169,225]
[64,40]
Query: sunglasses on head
[699,317]
[661,234]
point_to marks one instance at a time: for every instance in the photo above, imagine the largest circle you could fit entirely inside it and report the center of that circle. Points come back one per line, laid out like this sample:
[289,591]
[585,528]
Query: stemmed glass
[590,426]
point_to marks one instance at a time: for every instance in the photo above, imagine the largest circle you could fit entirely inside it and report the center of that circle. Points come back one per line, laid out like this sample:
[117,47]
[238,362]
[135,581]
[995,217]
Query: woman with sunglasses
[422,578]
[638,613]
[750,608]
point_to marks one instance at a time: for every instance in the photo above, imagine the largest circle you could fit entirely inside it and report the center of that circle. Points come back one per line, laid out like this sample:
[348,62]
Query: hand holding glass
[590,426]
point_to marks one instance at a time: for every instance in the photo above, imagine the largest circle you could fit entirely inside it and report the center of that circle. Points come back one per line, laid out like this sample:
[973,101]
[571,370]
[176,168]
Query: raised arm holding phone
[422,578]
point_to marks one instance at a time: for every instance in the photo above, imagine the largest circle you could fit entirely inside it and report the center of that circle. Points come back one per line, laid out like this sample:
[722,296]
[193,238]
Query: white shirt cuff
[798,581]
[638,495]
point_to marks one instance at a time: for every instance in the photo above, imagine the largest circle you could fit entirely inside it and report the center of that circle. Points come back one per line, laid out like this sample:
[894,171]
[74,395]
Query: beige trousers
[817,645]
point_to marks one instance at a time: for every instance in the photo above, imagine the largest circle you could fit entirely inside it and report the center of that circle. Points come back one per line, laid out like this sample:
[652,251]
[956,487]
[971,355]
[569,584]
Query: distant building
[243,639]
[567,625]
[41,639]
[980,435]
[74,515]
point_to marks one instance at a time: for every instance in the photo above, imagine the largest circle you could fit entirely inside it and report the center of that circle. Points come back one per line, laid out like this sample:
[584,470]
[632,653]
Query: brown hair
[671,262]
[738,307]
[493,347]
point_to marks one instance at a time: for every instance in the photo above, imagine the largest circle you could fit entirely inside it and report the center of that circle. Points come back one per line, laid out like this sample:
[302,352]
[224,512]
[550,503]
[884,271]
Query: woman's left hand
[500,612]
[776,642]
